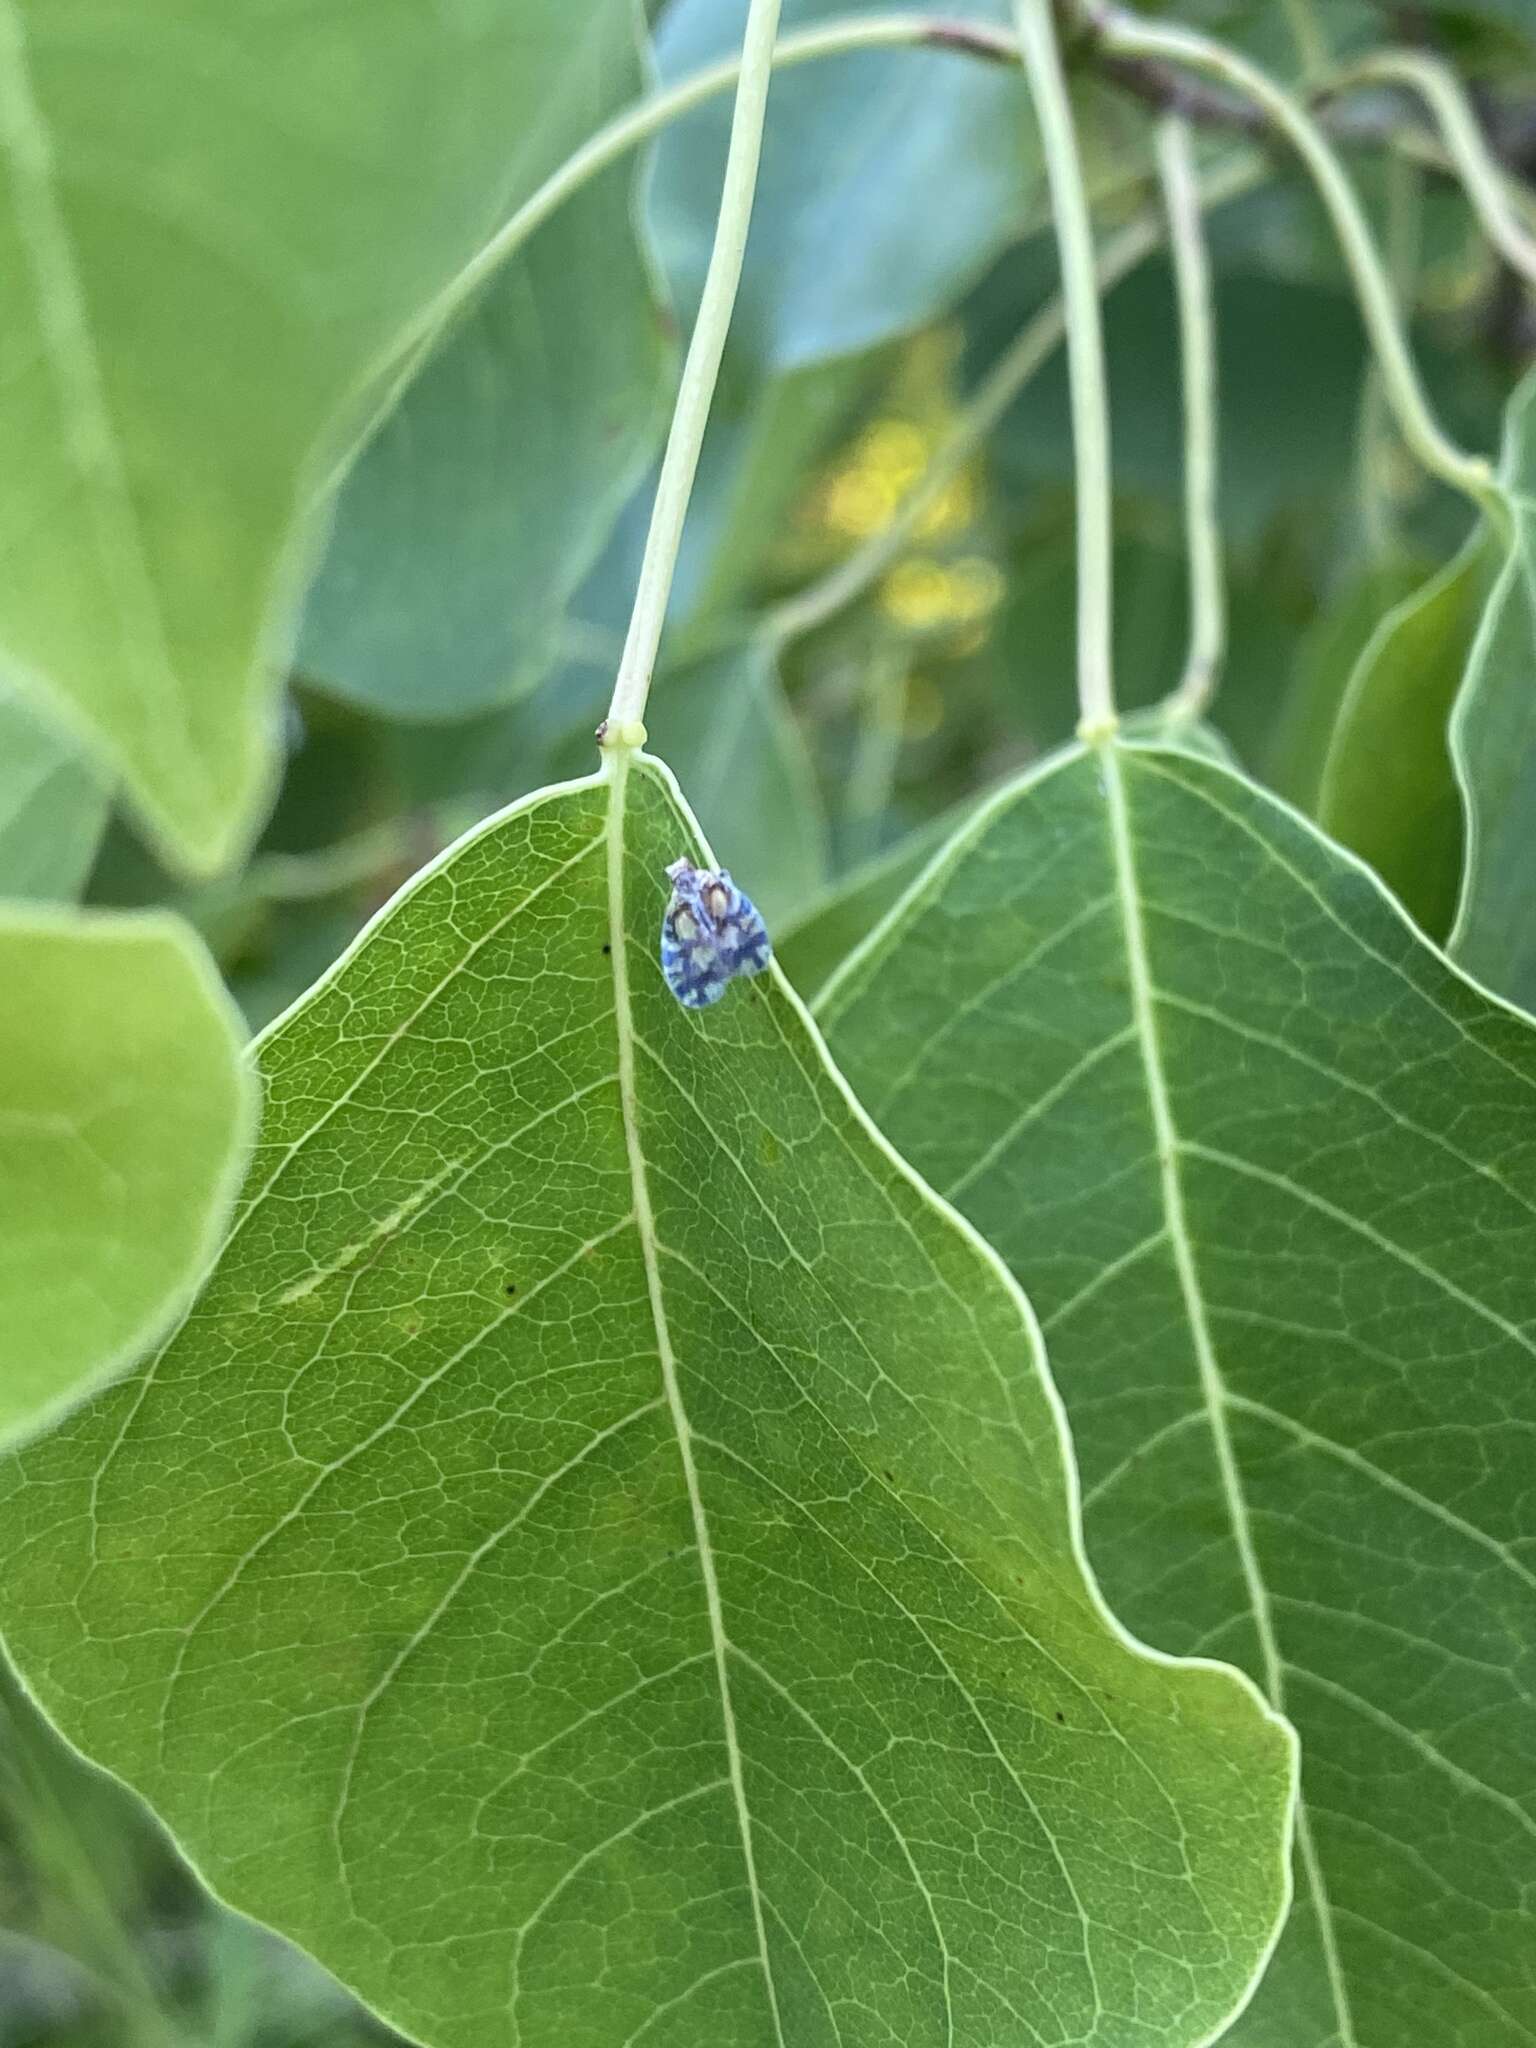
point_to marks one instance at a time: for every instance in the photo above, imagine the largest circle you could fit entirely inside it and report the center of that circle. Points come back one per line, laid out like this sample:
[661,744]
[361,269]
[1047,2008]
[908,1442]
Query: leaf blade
[124,1125]
[1310,1085]
[172,197]
[465,528]
[408,1768]
[852,245]
[53,807]
[1490,745]
[1386,790]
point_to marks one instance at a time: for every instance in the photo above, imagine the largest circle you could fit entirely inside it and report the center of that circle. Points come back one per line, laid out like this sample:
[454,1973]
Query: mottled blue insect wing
[710,933]
[744,945]
[689,960]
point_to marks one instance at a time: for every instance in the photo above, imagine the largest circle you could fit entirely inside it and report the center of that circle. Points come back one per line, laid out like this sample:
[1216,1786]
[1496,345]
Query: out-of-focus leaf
[601,1560]
[125,1116]
[1495,17]
[764,437]
[1037,624]
[725,728]
[1387,791]
[1493,746]
[1265,1163]
[1291,358]
[889,180]
[1036,627]
[215,227]
[815,945]
[53,806]
[1328,655]
[476,510]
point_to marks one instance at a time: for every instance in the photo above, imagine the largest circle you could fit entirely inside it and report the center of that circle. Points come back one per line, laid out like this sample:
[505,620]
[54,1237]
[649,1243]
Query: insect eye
[717,901]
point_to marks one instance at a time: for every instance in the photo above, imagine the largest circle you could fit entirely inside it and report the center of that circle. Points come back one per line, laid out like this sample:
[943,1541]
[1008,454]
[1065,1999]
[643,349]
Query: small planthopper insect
[710,933]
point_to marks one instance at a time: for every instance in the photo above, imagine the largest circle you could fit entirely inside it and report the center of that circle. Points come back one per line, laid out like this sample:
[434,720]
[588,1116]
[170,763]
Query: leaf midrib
[616,769]
[1170,1149]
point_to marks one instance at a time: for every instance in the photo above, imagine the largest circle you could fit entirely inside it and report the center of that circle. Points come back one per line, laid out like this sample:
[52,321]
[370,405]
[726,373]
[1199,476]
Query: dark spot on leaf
[1060,1715]
[510,1289]
[607,949]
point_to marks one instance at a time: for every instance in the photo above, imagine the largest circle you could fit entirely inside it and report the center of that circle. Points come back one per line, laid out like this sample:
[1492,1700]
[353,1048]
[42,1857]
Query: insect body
[710,933]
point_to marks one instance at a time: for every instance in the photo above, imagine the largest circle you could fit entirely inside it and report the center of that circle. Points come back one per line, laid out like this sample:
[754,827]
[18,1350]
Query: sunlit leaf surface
[53,806]
[214,231]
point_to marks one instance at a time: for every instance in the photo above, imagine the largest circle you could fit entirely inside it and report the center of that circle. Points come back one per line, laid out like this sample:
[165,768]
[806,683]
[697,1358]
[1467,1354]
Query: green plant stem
[1378,444]
[1197,356]
[1036,342]
[1085,357]
[1126,35]
[648,117]
[624,725]
[1479,172]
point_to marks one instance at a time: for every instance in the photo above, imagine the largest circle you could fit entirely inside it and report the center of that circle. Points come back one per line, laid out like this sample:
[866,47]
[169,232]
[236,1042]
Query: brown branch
[971,40]
[1167,90]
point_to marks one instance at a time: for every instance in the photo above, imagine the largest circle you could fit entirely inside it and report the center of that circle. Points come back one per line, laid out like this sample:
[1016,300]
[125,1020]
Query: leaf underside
[125,1113]
[472,515]
[597,1564]
[53,807]
[1387,791]
[1267,1166]
[1493,744]
[214,240]
[889,180]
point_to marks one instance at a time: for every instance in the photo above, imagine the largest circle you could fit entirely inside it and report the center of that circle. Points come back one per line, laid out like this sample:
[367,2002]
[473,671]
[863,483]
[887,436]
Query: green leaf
[723,722]
[1287,436]
[764,437]
[1262,1159]
[1387,791]
[215,241]
[1329,654]
[725,726]
[53,806]
[816,945]
[479,506]
[1493,745]
[125,1115]
[890,179]
[1501,18]
[1157,726]
[600,1562]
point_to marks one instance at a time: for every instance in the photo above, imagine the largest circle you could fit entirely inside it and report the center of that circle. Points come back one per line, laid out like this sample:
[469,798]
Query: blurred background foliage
[462,627]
